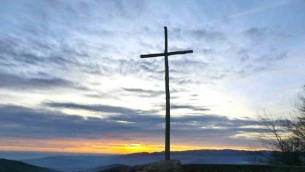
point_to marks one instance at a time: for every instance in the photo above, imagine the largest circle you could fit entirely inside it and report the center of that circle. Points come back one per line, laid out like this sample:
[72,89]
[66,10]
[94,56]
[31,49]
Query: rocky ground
[160,166]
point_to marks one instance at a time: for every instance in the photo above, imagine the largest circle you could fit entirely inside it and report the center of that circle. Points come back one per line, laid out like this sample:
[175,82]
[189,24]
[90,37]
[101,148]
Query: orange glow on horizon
[99,147]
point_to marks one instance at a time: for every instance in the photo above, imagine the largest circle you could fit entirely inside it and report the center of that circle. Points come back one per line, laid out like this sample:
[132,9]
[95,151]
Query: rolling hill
[85,162]
[17,166]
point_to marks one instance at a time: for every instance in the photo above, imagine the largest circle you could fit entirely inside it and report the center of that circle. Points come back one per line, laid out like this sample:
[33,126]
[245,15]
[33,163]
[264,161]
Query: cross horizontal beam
[164,54]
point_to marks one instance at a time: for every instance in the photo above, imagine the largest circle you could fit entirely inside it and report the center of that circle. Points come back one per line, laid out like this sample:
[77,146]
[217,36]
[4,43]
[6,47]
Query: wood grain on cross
[167,116]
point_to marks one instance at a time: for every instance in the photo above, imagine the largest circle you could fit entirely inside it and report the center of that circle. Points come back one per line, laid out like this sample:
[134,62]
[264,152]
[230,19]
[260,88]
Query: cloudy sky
[71,77]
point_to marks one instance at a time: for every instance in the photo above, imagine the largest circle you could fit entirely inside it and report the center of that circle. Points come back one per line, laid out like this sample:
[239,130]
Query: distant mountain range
[17,166]
[71,163]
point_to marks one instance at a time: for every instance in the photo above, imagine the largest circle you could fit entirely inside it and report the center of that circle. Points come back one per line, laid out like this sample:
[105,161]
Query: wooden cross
[167,116]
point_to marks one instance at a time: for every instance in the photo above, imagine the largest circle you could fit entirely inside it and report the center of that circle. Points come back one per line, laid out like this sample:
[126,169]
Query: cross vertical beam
[167,116]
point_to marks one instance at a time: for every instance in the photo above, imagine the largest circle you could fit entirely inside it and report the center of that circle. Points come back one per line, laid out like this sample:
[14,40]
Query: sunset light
[104,79]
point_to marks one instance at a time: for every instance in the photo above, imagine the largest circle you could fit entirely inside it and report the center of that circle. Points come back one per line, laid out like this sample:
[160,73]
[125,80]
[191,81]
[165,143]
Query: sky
[72,80]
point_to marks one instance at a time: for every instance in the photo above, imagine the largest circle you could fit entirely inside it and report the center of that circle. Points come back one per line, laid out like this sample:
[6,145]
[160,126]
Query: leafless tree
[286,137]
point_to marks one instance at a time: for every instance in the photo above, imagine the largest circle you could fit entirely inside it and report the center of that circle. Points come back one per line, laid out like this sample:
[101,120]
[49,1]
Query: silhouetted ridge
[17,166]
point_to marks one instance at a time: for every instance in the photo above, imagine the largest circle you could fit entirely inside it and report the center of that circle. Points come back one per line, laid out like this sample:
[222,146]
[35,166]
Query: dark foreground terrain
[239,168]
[175,166]
[17,166]
[220,168]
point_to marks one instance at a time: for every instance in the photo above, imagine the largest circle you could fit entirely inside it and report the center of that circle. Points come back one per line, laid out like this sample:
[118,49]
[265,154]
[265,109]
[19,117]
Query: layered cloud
[72,69]
[22,122]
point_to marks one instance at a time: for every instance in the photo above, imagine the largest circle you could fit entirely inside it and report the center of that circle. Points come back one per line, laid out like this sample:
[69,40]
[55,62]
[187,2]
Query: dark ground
[239,168]
[224,168]
[17,166]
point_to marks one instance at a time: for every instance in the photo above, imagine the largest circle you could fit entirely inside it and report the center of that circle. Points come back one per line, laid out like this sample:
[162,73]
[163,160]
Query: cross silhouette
[167,116]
